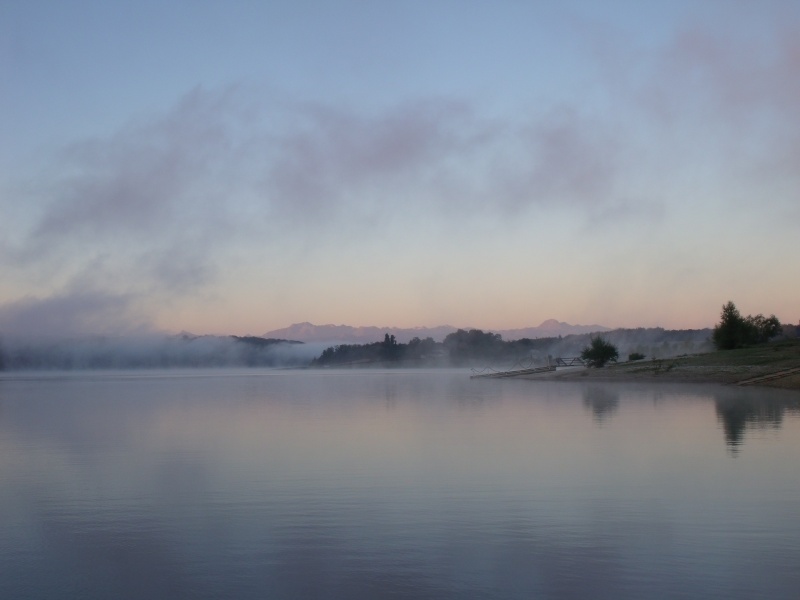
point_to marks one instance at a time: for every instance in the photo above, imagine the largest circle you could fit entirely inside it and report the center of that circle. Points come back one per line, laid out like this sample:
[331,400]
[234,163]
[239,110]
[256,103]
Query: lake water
[394,484]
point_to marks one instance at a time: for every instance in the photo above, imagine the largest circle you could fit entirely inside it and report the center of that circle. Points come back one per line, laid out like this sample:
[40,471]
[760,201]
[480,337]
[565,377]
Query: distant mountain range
[550,328]
[345,334]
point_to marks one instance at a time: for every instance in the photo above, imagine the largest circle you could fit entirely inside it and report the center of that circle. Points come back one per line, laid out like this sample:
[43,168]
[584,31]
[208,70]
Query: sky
[236,167]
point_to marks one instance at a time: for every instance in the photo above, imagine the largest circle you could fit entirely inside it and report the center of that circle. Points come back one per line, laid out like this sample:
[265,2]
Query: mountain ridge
[348,334]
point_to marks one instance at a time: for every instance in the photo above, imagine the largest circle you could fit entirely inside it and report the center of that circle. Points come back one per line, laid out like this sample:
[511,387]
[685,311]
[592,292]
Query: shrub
[635,356]
[599,352]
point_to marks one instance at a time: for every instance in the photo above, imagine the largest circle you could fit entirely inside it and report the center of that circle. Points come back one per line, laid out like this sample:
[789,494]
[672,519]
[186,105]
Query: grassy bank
[776,364]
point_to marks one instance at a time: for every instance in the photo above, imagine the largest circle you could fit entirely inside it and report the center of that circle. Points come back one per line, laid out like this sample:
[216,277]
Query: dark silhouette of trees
[418,349]
[475,347]
[465,345]
[765,328]
[599,352]
[461,347]
[731,332]
[735,331]
[387,351]
[390,349]
[345,354]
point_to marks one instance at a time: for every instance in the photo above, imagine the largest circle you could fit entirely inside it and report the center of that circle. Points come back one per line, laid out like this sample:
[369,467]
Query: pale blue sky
[236,167]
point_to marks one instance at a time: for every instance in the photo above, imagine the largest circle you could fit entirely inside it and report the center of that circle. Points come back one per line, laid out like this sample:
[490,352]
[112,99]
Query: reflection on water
[255,484]
[602,401]
[751,409]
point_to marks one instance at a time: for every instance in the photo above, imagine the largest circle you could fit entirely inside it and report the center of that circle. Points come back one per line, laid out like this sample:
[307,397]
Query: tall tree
[730,332]
[735,331]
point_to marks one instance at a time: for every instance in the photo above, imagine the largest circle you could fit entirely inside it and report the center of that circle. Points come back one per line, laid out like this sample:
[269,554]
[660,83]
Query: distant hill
[345,334]
[550,328]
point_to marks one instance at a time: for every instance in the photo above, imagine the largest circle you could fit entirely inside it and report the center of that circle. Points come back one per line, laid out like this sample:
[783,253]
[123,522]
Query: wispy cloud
[164,197]
[740,98]
[164,206]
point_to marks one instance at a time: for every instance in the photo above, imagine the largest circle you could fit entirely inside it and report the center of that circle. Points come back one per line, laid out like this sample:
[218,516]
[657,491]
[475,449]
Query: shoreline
[747,367]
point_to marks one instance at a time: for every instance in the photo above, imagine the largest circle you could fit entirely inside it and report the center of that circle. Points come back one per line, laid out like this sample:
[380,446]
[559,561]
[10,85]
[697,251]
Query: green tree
[599,352]
[731,331]
[764,328]
[735,331]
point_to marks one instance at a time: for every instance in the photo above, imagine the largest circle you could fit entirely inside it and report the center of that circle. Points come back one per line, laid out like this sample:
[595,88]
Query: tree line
[459,348]
[477,347]
[474,347]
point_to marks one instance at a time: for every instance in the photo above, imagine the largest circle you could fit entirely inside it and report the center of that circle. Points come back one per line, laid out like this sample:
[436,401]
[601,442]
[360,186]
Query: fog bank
[152,351]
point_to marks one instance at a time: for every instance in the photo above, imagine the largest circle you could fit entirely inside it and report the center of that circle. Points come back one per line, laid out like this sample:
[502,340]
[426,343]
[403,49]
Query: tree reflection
[742,412]
[601,401]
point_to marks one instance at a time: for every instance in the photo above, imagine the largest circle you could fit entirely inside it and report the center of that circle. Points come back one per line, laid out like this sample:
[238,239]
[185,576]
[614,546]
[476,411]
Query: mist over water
[154,351]
[253,483]
[161,350]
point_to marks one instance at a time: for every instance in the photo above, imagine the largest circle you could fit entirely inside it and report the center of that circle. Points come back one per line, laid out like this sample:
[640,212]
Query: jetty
[513,373]
[560,363]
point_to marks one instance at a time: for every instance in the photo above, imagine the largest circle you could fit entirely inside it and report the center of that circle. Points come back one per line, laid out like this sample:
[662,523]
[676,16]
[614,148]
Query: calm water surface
[400,484]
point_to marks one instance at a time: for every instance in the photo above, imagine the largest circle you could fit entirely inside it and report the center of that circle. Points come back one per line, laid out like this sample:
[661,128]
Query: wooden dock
[514,373]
